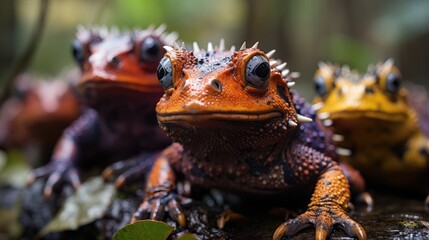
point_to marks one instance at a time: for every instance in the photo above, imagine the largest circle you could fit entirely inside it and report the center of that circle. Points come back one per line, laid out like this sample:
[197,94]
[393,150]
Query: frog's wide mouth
[374,115]
[195,118]
[106,84]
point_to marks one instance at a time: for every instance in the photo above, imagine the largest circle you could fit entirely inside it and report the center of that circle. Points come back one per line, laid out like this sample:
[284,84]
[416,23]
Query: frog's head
[117,65]
[240,96]
[375,95]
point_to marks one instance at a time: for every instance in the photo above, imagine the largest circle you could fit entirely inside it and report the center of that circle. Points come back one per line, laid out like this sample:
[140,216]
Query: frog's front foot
[157,203]
[129,171]
[323,218]
[57,173]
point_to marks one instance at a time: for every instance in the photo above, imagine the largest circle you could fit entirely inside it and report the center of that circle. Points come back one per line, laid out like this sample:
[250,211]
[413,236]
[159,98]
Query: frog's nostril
[216,85]
[115,61]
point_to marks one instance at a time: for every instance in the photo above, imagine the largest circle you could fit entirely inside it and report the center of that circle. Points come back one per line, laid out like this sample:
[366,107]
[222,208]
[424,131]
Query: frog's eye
[78,51]
[165,73]
[258,71]
[320,86]
[393,83]
[151,50]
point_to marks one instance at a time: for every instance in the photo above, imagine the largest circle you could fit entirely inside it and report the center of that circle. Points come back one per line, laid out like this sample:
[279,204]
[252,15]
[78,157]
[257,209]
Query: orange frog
[33,118]
[380,124]
[238,127]
[120,86]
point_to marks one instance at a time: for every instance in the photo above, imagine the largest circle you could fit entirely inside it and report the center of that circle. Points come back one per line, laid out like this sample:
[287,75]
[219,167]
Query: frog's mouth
[196,118]
[105,85]
[369,115]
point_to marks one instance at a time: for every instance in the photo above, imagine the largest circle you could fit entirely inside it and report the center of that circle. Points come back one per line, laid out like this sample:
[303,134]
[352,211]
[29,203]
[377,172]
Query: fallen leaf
[87,204]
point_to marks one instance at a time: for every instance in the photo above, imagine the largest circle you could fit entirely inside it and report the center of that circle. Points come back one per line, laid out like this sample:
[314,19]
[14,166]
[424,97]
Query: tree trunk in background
[7,36]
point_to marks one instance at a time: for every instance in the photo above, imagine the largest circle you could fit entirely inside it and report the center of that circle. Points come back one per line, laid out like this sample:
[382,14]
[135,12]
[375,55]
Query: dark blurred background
[356,33]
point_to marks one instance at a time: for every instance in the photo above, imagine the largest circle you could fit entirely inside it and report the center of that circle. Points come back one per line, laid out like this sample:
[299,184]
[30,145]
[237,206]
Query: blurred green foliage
[357,33]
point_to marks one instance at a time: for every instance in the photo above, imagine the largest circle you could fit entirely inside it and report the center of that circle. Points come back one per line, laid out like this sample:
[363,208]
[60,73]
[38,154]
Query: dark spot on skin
[115,61]
[326,183]
[201,61]
[399,150]
[369,90]
[268,102]
[325,197]
[424,151]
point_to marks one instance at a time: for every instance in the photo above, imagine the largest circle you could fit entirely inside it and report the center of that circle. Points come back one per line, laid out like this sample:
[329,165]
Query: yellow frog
[377,124]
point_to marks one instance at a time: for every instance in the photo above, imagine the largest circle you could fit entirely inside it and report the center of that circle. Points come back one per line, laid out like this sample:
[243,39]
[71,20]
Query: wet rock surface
[393,217]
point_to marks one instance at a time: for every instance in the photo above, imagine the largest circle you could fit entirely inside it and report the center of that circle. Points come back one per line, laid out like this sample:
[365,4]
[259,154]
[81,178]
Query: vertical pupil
[262,70]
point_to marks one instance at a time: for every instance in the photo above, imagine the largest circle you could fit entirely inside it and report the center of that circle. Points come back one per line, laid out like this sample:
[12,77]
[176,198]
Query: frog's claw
[131,170]
[365,199]
[57,173]
[324,220]
[292,226]
[227,216]
[155,209]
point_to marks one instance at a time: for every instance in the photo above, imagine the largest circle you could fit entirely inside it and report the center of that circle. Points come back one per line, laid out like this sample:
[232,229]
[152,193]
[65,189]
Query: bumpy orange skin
[233,135]
[379,126]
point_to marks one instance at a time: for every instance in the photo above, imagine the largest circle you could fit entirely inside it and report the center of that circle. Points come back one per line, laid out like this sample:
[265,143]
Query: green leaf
[14,169]
[88,203]
[146,229]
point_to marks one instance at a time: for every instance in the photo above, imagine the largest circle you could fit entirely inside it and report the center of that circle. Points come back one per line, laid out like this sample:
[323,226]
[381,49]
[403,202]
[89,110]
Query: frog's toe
[324,221]
[227,216]
[142,212]
[124,172]
[155,209]
[352,228]
[59,177]
[52,181]
[175,211]
[292,226]
[365,200]
[324,225]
